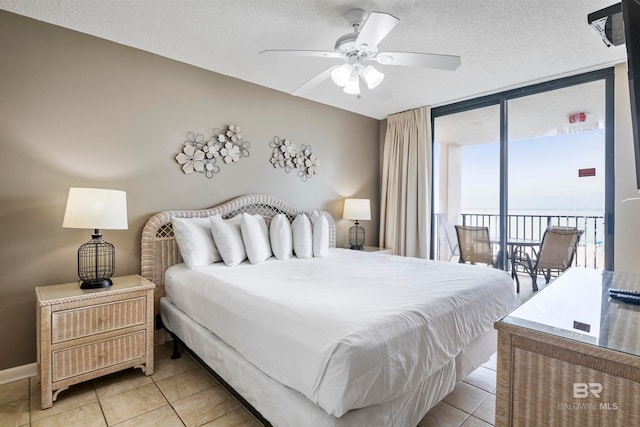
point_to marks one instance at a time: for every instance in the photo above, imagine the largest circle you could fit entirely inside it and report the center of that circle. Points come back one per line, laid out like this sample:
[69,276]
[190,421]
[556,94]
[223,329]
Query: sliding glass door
[556,167]
[524,160]
[467,177]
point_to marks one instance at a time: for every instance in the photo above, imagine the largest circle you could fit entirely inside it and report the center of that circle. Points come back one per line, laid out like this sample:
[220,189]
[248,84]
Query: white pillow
[281,239]
[228,239]
[195,242]
[302,240]
[256,238]
[320,232]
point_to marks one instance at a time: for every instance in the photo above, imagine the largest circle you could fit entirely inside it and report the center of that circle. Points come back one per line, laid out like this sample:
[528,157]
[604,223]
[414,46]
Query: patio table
[514,244]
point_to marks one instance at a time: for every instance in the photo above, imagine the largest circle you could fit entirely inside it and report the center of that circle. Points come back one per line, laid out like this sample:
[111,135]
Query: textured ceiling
[503,43]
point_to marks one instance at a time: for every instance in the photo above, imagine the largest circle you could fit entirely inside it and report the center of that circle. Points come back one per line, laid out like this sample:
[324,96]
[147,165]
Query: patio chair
[474,245]
[447,232]
[556,254]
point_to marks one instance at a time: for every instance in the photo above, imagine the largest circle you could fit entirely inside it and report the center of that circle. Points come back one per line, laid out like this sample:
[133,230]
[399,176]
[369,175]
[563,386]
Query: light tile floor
[182,393]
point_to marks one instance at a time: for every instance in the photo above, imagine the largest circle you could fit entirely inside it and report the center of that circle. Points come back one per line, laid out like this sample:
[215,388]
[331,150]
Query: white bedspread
[349,330]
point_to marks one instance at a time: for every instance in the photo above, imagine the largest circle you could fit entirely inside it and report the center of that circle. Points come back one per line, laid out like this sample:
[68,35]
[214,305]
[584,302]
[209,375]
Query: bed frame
[244,381]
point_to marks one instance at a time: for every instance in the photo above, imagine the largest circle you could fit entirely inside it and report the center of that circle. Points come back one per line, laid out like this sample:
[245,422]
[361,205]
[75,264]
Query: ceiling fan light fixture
[361,46]
[353,85]
[341,74]
[372,76]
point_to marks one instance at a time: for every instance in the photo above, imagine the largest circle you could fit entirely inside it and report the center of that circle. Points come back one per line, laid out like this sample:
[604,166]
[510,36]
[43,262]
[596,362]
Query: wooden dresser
[84,334]
[570,355]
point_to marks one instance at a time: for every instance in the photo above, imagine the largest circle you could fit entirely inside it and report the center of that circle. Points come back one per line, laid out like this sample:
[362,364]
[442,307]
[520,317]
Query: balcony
[589,253]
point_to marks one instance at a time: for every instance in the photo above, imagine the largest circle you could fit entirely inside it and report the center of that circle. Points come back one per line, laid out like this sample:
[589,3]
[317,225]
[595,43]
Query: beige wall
[76,110]
[627,215]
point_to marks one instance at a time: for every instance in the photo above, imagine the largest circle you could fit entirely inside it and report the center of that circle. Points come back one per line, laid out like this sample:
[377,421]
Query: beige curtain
[405,222]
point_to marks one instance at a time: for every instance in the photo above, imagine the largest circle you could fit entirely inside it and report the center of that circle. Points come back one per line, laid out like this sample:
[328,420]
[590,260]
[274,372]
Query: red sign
[586,172]
[578,118]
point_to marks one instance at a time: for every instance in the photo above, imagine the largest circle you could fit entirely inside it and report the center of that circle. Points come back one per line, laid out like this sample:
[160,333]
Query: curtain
[405,212]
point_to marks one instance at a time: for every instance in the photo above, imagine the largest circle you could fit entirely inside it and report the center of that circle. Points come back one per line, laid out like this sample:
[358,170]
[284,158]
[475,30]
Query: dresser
[84,334]
[570,355]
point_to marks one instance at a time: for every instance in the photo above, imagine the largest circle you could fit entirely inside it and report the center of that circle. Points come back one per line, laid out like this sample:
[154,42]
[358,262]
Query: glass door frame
[502,99]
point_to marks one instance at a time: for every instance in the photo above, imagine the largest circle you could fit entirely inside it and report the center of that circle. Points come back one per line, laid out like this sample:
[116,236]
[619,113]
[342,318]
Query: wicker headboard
[159,248]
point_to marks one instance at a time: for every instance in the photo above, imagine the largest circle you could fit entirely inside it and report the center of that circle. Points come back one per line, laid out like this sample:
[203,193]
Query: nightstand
[84,334]
[378,250]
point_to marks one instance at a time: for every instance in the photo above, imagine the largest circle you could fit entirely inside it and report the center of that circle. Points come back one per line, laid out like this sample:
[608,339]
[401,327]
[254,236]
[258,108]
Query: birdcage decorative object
[96,262]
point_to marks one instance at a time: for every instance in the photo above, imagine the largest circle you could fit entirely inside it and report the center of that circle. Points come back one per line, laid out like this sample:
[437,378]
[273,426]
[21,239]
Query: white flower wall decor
[200,155]
[285,156]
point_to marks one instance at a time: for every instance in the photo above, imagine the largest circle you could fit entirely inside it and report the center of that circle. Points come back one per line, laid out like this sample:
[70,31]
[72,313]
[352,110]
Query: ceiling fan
[359,48]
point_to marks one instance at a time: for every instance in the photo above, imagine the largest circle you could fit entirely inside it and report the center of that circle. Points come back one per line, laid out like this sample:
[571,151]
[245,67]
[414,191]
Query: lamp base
[356,237]
[96,284]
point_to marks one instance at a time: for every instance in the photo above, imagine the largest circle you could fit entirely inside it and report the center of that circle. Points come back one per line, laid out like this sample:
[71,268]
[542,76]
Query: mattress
[349,330]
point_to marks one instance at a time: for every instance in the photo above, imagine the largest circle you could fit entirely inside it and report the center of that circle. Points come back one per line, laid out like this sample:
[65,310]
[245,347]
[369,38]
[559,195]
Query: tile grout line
[99,399]
[483,400]
[475,407]
[95,390]
[155,382]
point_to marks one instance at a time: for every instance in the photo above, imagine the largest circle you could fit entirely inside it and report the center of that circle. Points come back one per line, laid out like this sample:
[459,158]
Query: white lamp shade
[353,85]
[357,209]
[96,208]
[340,75]
[372,76]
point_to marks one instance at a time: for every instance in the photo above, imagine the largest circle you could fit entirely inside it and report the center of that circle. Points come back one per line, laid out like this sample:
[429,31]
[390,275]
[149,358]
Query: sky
[543,175]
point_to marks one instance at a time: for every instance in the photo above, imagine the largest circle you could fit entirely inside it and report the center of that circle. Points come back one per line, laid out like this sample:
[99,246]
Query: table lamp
[356,209]
[98,209]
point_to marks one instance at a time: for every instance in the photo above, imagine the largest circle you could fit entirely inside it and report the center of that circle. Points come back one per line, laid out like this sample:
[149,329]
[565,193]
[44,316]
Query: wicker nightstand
[84,334]
[378,250]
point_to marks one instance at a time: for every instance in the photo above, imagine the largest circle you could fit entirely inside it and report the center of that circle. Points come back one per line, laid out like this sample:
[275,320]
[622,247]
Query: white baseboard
[18,373]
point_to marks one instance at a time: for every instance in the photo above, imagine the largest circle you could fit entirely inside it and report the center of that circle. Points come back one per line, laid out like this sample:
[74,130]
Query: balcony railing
[590,250]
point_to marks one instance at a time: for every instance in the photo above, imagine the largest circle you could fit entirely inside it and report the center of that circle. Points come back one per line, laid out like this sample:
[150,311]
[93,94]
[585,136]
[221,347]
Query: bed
[347,339]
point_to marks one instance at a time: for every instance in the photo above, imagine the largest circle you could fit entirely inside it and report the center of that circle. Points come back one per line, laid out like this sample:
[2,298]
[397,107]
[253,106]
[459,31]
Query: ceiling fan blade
[414,59]
[315,81]
[375,28]
[312,53]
